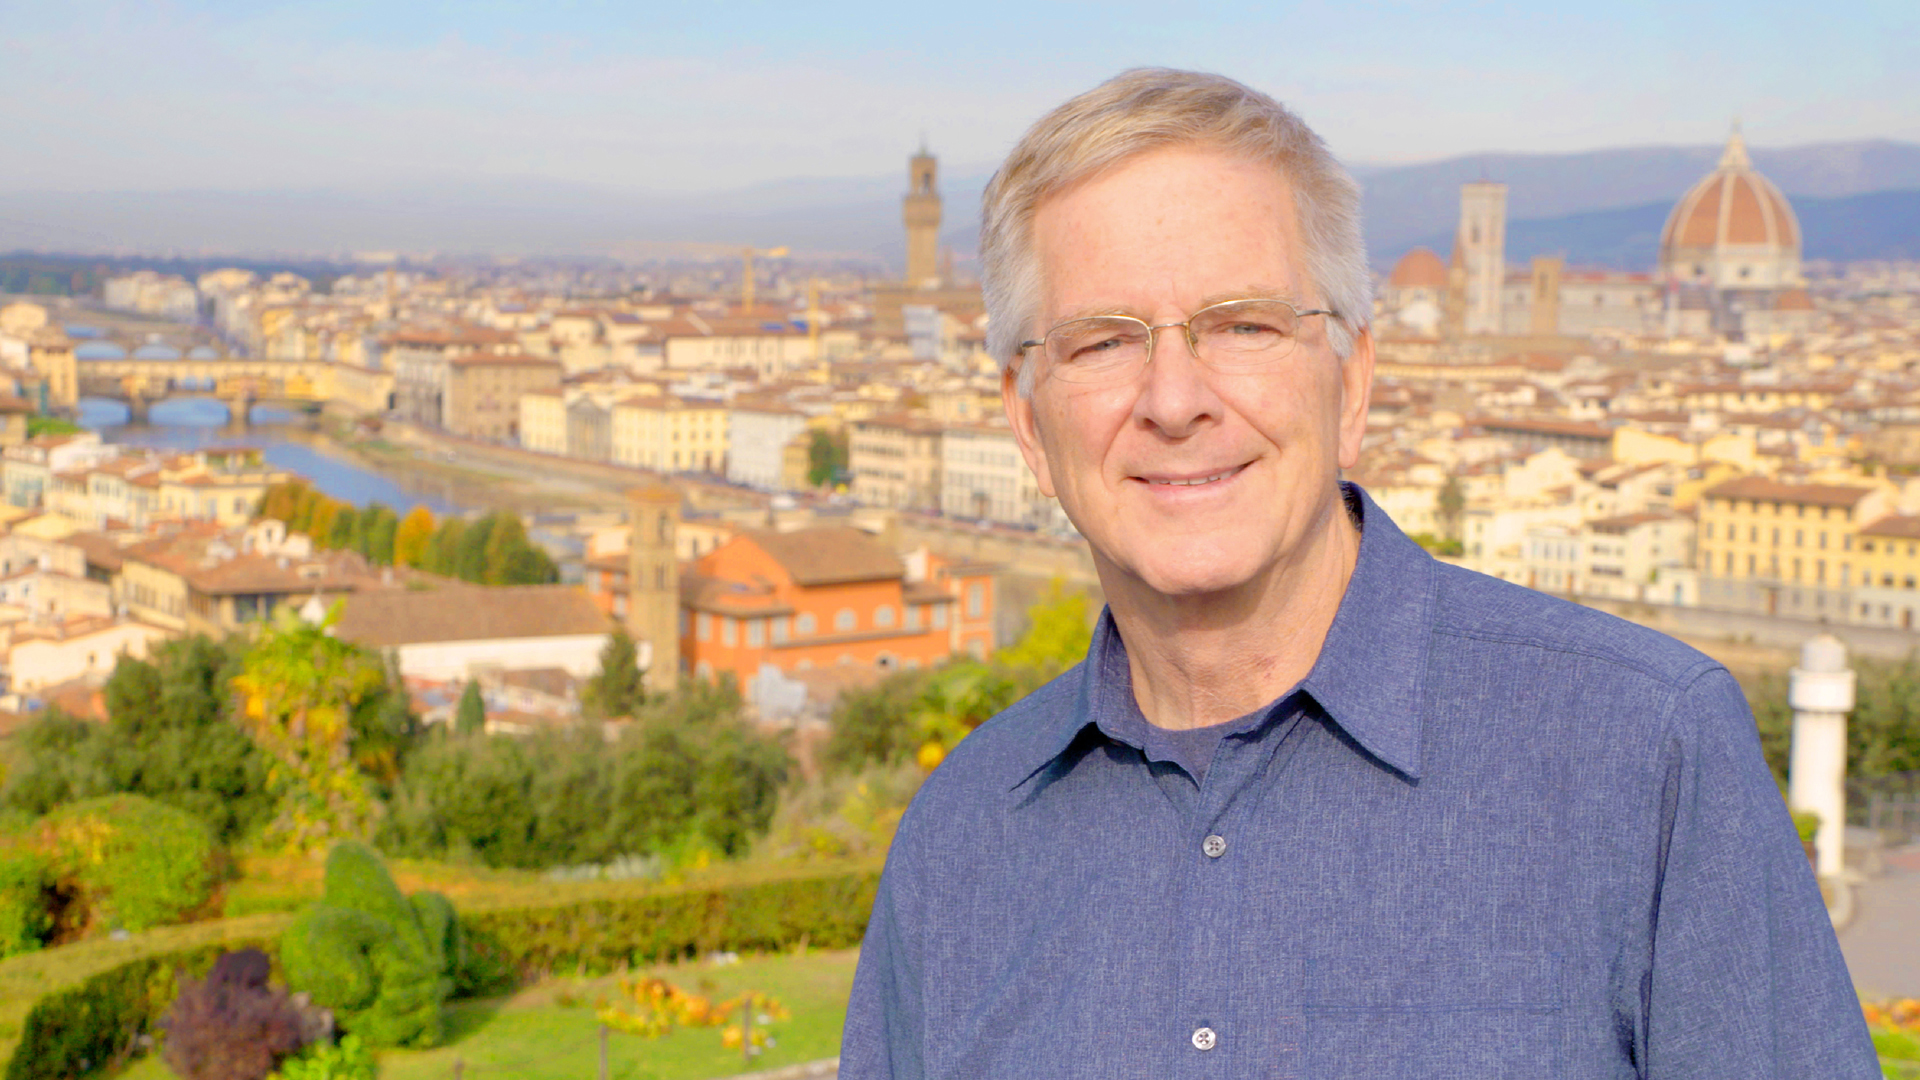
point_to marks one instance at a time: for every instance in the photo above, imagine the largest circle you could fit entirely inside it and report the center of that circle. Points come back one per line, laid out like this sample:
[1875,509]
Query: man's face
[1159,237]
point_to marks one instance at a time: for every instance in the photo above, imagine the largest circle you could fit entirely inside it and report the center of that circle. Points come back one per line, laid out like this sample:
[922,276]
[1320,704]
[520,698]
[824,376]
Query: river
[285,440]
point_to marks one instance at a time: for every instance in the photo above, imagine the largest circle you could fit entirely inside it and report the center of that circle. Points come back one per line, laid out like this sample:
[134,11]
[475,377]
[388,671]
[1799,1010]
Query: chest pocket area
[1435,1017]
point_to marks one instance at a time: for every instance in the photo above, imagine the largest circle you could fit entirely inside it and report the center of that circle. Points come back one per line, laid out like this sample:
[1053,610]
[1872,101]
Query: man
[1314,805]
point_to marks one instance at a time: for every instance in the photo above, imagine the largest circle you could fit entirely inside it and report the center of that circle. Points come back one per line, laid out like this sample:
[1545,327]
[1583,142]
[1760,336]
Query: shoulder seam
[1686,677]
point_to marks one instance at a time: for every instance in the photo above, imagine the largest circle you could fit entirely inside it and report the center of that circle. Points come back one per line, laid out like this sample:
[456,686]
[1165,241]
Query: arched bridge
[240,383]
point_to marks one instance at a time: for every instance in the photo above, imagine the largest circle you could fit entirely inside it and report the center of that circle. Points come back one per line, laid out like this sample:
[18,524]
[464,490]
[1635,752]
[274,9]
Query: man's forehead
[1183,226]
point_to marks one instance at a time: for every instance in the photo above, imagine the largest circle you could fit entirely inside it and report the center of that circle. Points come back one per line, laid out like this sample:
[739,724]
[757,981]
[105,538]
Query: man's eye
[1250,329]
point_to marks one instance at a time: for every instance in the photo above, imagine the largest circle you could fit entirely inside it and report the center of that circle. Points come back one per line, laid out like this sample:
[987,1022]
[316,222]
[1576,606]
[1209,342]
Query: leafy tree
[1451,502]
[380,534]
[1057,636]
[872,725]
[471,716]
[443,556]
[412,537]
[320,524]
[1883,731]
[826,458]
[299,688]
[169,737]
[617,688]
[343,530]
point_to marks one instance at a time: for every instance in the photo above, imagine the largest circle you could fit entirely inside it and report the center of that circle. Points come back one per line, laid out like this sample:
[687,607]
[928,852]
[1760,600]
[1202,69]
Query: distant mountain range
[1855,200]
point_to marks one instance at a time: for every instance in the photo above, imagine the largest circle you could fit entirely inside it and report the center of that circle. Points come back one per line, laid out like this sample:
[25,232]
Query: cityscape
[583,623]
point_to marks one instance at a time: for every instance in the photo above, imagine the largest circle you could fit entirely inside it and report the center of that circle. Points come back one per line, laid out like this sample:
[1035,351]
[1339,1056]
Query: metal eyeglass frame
[1185,325]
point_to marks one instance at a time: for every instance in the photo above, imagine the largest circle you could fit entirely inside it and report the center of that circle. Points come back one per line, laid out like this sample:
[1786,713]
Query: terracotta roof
[829,554]
[468,613]
[502,360]
[1731,205]
[1763,489]
[1419,269]
[1898,526]
[729,597]
[99,550]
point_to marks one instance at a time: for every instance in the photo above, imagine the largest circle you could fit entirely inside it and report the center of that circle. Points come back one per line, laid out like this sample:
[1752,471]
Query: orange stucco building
[828,596]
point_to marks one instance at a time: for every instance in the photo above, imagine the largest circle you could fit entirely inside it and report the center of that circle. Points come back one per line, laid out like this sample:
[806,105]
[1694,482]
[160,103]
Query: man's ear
[1356,393]
[1026,429]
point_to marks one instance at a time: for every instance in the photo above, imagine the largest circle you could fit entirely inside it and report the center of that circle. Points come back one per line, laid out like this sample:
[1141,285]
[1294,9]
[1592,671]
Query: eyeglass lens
[1235,335]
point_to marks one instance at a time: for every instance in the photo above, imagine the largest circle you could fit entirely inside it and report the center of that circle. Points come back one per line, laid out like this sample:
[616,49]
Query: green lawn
[548,1031]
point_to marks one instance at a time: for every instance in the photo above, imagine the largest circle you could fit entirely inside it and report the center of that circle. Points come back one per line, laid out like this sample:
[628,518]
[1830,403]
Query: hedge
[68,1010]
[65,1011]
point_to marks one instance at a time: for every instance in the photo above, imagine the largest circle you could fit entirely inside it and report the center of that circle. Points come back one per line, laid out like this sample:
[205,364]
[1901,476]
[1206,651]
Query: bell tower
[1482,242]
[921,213]
[653,583]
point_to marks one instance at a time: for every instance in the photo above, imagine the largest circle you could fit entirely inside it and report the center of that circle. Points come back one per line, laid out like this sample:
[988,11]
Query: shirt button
[1214,847]
[1204,1038]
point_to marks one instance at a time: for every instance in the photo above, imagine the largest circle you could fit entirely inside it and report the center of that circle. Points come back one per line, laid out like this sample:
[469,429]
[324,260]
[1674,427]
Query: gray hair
[1145,109]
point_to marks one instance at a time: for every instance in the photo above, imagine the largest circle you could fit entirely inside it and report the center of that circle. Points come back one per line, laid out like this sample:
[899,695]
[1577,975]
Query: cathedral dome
[1733,230]
[1419,269]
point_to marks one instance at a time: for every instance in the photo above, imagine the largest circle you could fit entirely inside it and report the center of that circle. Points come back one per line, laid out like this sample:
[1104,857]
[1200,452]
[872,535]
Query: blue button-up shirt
[1491,835]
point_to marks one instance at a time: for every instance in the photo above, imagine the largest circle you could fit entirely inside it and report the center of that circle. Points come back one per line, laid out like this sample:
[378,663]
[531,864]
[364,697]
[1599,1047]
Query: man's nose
[1176,392]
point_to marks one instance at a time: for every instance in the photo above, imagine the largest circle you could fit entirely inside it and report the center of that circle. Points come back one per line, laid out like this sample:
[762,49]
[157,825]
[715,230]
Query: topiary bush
[233,1026]
[381,961]
[126,862]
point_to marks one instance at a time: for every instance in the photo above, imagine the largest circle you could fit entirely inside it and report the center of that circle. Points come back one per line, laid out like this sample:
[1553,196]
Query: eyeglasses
[1238,335]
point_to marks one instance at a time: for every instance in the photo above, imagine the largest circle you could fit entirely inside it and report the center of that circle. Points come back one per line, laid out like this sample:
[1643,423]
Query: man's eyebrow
[1251,292]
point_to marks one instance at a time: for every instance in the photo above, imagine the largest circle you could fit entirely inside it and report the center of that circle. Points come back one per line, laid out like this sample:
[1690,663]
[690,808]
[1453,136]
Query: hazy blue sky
[643,97]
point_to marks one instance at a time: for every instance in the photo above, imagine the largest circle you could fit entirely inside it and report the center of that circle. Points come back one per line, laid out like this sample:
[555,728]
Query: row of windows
[1819,571]
[845,621]
[1799,536]
[1779,509]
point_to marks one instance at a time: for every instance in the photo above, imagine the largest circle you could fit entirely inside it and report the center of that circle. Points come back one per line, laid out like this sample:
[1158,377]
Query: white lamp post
[1821,693]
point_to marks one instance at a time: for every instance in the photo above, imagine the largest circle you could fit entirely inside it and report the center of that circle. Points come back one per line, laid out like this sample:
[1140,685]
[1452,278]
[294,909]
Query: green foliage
[168,737]
[1883,731]
[687,775]
[1450,503]
[64,1011]
[470,717]
[870,725]
[300,689]
[51,425]
[348,1059]
[365,952]
[1445,547]
[1058,633]
[24,916]
[617,689]
[826,911]
[827,457]
[127,861]
[1806,823]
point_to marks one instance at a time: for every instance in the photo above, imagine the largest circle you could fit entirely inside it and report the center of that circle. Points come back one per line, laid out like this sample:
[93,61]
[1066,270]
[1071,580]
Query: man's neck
[1203,660]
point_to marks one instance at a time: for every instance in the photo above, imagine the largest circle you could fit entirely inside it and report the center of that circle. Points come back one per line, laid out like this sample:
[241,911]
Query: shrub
[67,1010]
[826,911]
[350,1059]
[232,1025]
[377,959]
[24,915]
[126,861]
[64,1011]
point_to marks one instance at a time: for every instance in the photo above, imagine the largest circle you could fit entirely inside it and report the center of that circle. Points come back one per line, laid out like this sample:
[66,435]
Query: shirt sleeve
[1745,977]
[883,1037]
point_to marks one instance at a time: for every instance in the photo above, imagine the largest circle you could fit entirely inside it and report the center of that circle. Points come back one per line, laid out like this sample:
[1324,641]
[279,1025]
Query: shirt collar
[1370,677]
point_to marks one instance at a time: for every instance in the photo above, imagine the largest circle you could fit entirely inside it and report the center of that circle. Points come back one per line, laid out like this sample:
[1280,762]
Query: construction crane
[746,280]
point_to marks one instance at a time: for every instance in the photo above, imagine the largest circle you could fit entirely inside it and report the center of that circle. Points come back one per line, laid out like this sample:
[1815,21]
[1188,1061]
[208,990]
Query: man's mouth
[1194,481]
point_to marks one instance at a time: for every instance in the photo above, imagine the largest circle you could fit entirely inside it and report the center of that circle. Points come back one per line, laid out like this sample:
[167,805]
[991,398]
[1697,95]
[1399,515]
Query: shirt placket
[1237,1013]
